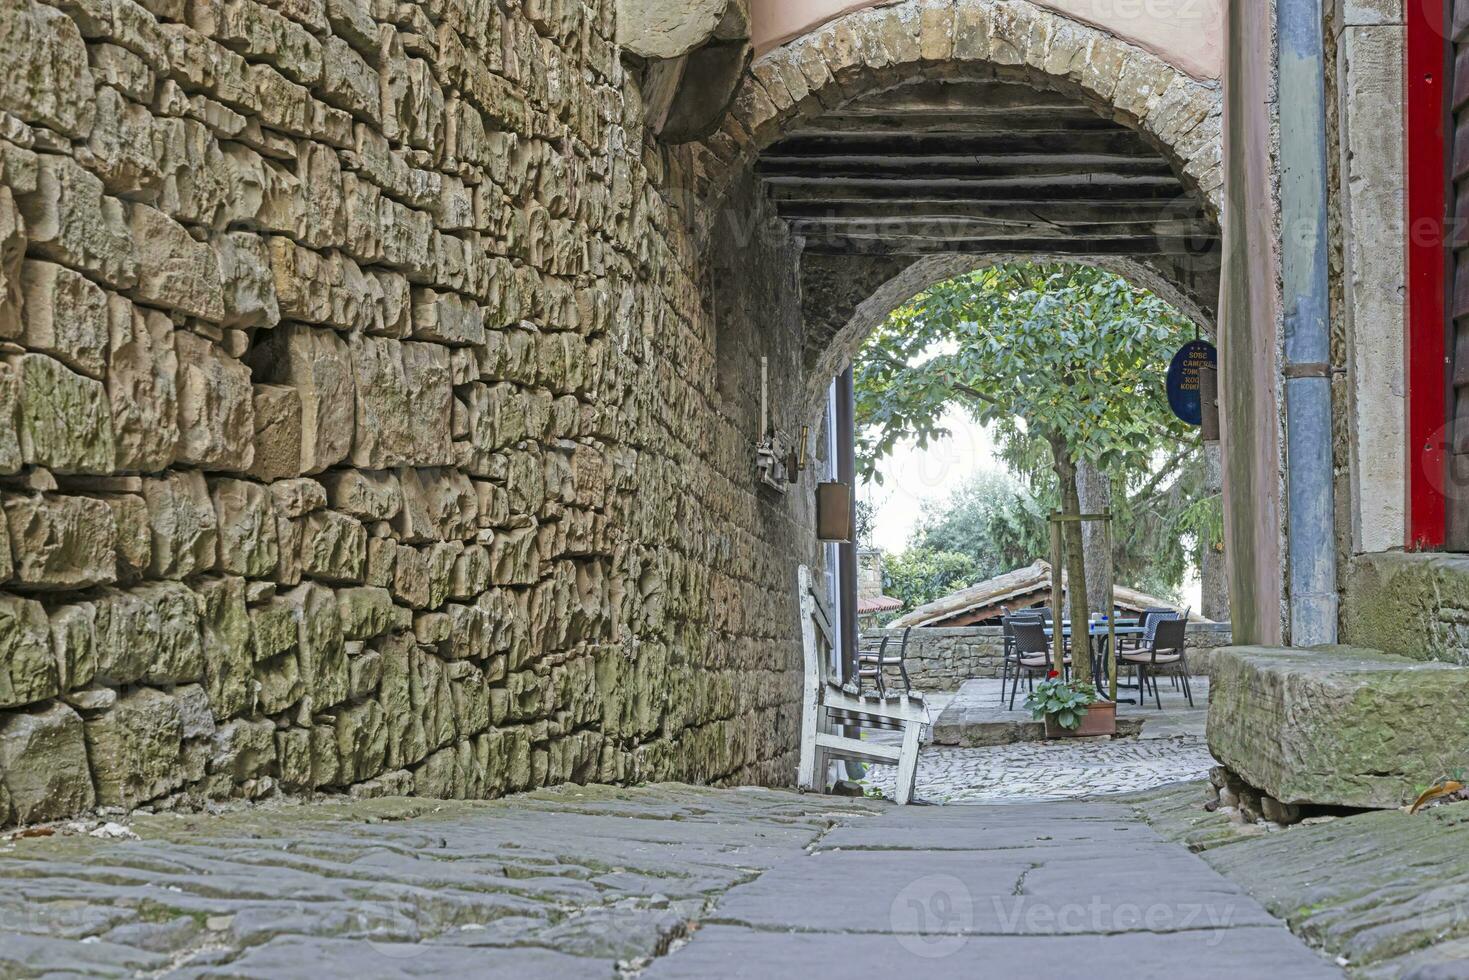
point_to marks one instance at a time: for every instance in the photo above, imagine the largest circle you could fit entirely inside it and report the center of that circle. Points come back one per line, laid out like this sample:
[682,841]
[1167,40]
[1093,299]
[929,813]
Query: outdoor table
[1099,634]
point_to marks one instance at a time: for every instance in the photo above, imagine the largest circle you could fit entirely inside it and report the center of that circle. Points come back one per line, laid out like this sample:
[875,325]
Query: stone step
[1337,726]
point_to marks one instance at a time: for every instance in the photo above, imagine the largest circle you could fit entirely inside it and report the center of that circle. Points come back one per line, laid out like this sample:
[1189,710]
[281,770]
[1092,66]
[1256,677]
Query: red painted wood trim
[1427,81]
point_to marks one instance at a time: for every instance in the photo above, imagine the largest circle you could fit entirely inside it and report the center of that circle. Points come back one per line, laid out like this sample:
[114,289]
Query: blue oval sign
[1185,396]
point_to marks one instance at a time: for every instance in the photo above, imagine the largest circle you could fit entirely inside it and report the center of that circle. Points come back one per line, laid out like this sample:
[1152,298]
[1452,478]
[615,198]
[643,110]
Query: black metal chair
[1007,625]
[871,664]
[1032,656]
[1147,618]
[1165,654]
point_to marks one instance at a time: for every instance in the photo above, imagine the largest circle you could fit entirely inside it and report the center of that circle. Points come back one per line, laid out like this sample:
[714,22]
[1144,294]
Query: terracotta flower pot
[1100,719]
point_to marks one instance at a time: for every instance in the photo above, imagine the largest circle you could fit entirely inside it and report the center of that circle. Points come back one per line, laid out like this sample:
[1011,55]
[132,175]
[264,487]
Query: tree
[991,518]
[1070,357]
[918,576]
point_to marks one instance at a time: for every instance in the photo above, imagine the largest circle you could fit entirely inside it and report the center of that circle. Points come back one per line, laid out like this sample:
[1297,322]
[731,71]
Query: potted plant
[1071,709]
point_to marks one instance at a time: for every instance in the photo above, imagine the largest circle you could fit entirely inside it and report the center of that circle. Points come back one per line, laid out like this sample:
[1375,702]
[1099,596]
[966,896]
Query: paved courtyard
[1171,749]
[662,882]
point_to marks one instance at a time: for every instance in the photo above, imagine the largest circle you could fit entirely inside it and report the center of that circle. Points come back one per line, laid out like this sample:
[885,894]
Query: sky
[912,476]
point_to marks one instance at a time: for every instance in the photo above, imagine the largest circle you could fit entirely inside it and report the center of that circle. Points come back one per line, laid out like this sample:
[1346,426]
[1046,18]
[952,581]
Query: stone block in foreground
[1337,726]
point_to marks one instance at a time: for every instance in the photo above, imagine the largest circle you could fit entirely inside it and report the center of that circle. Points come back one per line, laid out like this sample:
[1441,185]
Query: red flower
[1053,675]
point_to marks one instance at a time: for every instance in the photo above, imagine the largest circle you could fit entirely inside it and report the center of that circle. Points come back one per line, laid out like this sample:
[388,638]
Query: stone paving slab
[620,883]
[386,888]
[728,952]
[1386,891]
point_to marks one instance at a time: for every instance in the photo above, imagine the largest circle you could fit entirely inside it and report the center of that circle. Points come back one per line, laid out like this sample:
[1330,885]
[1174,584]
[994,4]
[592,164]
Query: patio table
[1099,634]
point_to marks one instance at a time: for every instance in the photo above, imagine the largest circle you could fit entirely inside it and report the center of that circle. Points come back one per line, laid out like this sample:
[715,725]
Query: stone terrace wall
[359,423]
[943,659]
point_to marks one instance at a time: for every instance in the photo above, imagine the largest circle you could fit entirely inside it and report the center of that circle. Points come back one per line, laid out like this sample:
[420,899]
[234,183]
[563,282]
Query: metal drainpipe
[1311,505]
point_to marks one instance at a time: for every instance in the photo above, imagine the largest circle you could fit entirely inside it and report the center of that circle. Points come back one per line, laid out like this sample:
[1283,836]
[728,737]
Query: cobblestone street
[1171,749]
[664,881]
[1036,771]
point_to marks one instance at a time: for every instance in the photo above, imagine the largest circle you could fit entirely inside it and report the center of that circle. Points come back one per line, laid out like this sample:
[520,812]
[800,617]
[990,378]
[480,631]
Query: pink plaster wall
[1188,34]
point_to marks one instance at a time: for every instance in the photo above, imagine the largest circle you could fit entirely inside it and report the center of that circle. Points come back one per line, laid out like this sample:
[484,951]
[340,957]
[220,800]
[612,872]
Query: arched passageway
[905,144]
[896,147]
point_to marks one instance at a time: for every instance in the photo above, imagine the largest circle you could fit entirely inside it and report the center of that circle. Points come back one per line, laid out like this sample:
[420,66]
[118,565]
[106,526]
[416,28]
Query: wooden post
[1111,610]
[1058,557]
[1209,402]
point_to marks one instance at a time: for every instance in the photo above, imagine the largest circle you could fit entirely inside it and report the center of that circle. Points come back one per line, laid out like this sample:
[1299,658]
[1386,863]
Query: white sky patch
[912,476]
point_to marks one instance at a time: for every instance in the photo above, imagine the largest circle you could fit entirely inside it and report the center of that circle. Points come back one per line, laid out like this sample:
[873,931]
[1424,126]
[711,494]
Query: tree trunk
[1095,493]
[1081,648]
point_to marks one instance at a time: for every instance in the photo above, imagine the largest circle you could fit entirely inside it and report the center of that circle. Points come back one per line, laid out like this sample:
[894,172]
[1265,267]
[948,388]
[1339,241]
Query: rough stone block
[135,749]
[134,536]
[185,529]
[364,494]
[12,257]
[28,668]
[74,639]
[65,316]
[170,644]
[318,364]
[244,749]
[10,454]
[43,764]
[366,612]
[1338,726]
[321,650]
[228,647]
[403,404]
[247,529]
[142,369]
[277,439]
[333,547]
[46,79]
[438,505]
[61,542]
[249,285]
[279,684]
[215,406]
[1409,604]
[274,628]
[69,220]
[361,741]
[65,421]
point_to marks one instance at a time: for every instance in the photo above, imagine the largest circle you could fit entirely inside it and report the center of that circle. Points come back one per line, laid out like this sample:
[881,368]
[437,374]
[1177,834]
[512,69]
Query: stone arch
[876,48]
[839,349]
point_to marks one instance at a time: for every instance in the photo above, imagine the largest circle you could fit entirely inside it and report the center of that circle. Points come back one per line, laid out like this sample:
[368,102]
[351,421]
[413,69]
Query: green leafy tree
[1069,355]
[991,518]
[918,576]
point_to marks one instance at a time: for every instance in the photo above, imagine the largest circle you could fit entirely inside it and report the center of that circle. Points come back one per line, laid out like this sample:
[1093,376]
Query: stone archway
[1011,130]
[1107,90]
[865,302]
[878,48]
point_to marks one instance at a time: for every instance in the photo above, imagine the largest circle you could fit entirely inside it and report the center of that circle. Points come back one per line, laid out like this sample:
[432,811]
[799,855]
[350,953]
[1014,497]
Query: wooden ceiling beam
[963,229]
[1058,120]
[1081,210]
[1120,142]
[1067,245]
[1006,188]
[927,168]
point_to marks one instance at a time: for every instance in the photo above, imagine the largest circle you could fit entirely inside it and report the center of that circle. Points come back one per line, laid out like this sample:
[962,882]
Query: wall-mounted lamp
[777,462]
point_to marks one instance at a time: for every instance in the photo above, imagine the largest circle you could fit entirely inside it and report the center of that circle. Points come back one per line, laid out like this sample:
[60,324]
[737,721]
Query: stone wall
[359,420]
[1412,605]
[943,659]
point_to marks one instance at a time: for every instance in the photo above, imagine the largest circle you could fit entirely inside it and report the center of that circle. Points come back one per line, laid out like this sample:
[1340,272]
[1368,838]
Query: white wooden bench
[828,704]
